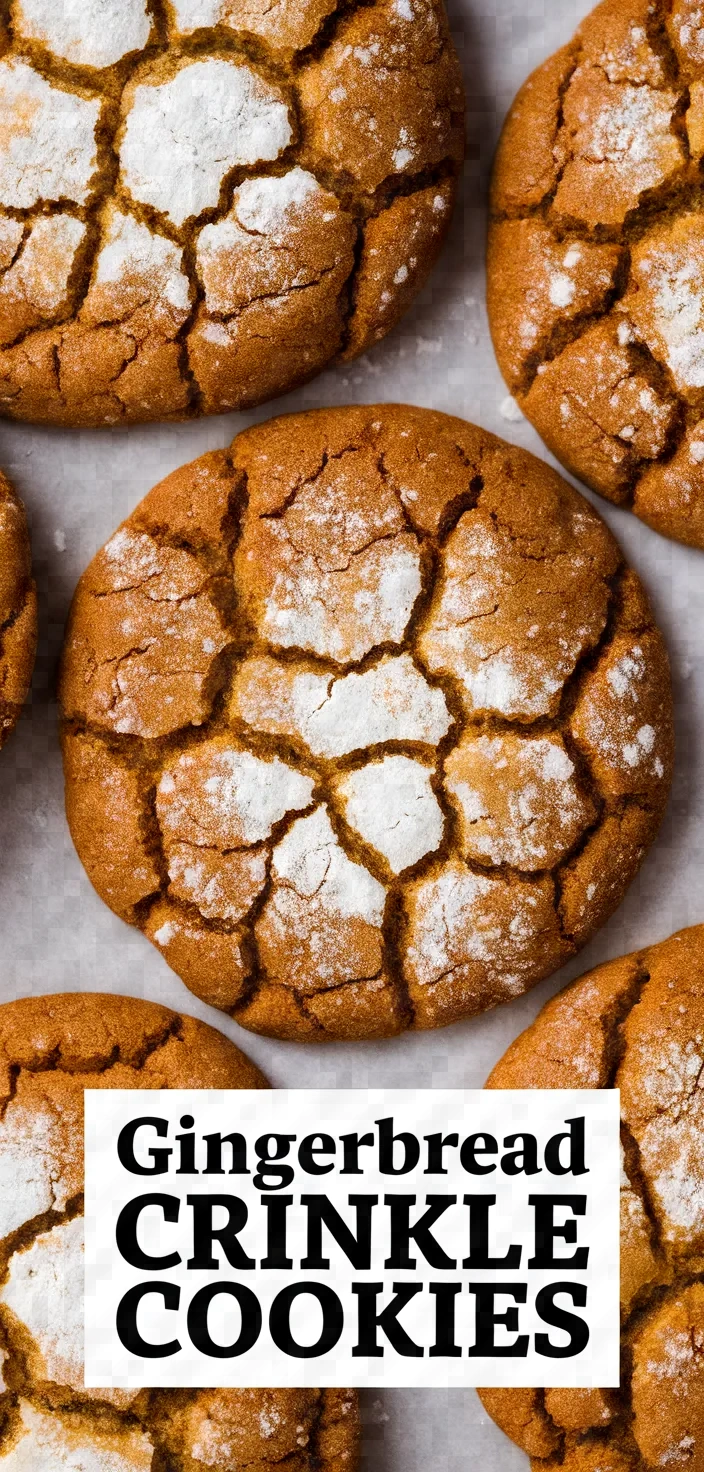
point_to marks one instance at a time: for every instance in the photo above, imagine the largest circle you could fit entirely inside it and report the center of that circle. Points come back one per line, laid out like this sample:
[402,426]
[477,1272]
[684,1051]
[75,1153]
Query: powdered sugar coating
[217,795]
[518,799]
[312,863]
[391,701]
[282,234]
[392,806]
[616,716]
[338,602]
[407,786]
[44,1291]
[641,1018]
[666,304]
[324,912]
[48,150]
[467,926]
[33,1175]
[133,259]
[608,374]
[35,287]
[94,33]
[269,207]
[276,21]
[191,118]
[11,233]
[183,136]
[510,660]
[621,141]
[47,1442]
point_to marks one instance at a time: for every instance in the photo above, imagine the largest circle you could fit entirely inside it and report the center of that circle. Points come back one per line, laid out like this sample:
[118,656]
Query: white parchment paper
[56,935]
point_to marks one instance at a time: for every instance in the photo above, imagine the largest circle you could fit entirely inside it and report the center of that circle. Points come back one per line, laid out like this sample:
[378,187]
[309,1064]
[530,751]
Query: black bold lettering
[479,1208]
[524,1157]
[575,1151]
[436,1144]
[351,1146]
[280,1321]
[387,1147]
[402,1233]
[159,1157]
[250,1325]
[269,1158]
[471,1149]
[126,1233]
[126,1320]
[487,1321]
[276,1225]
[357,1248]
[369,1321]
[204,1233]
[576,1328]
[308,1150]
[445,1303]
[238,1155]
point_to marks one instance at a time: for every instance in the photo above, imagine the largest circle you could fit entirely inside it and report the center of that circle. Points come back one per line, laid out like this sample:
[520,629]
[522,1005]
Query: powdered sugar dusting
[40,275]
[133,258]
[30,1167]
[344,614]
[228,797]
[392,701]
[47,139]
[668,304]
[392,806]
[44,1290]
[11,232]
[518,799]
[264,232]
[472,928]
[265,205]
[93,33]
[183,136]
[310,860]
[49,1441]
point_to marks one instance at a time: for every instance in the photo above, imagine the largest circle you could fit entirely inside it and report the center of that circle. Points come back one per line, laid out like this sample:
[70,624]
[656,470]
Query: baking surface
[57,935]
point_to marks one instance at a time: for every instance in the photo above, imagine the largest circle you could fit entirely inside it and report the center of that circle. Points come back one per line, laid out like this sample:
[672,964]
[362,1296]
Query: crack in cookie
[366,724]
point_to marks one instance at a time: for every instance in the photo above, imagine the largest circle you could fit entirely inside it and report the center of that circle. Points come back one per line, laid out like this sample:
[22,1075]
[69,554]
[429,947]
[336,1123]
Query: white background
[57,935]
[110,1187]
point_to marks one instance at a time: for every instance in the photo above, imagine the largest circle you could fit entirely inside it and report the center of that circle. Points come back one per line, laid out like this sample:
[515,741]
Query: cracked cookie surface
[204,202]
[18,609]
[51,1049]
[596,258]
[635,1024]
[366,724]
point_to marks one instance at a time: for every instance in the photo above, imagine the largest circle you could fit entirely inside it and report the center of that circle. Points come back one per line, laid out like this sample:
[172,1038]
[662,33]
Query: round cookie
[366,724]
[596,258]
[18,609]
[205,202]
[635,1024]
[51,1048]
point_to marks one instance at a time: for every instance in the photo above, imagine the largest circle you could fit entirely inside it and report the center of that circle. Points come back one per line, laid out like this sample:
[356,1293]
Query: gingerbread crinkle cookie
[18,609]
[203,204]
[51,1049]
[636,1024]
[596,258]
[366,723]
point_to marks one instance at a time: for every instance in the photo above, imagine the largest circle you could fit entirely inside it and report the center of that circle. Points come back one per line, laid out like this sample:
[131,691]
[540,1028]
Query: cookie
[51,1048]
[18,609]
[596,258]
[205,202]
[366,724]
[634,1024]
